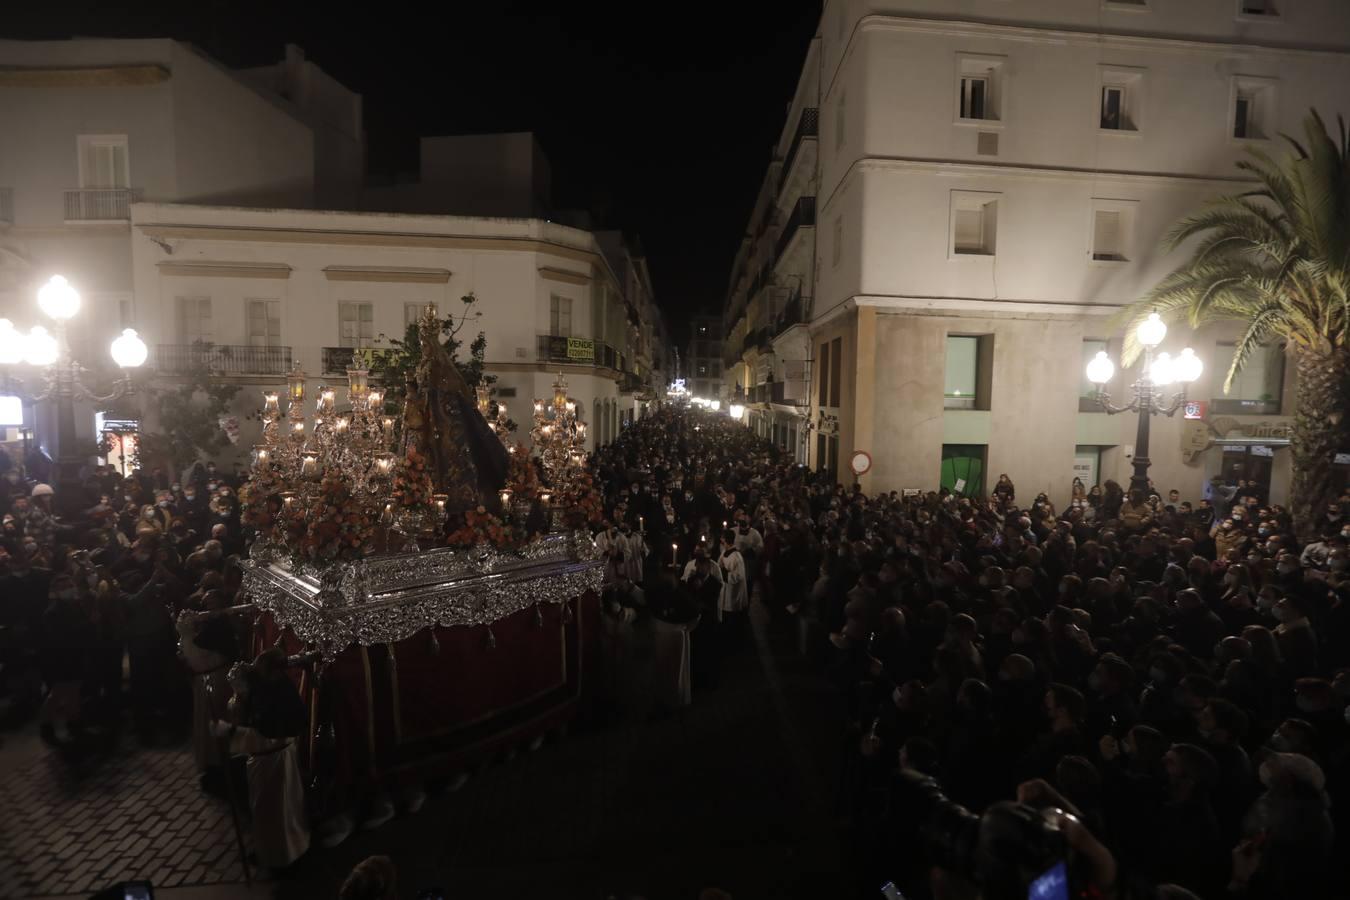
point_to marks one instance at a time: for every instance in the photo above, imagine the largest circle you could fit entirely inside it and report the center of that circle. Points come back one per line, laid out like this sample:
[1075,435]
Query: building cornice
[565,276]
[387,274]
[927,166]
[136,75]
[967,307]
[1095,37]
[225,270]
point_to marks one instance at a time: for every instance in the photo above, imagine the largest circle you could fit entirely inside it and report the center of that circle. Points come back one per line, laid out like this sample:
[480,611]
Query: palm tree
[1276,257]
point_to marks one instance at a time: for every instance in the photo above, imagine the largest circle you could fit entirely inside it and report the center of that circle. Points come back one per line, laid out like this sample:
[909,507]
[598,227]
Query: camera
[1006,851]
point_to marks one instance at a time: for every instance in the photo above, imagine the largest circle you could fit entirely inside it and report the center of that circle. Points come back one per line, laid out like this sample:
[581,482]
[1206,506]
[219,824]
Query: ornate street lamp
[1158,372]
[61,376]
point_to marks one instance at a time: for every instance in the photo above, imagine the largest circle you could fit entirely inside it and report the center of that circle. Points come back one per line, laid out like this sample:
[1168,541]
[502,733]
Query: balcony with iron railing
[100,204]
[556,348]
[221,359]
[808,128]
[6,206]
[337,360]
[803,216]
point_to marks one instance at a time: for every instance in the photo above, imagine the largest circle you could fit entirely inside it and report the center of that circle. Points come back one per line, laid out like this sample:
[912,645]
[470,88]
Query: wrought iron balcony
[100,204]
[6,206]
[803,216]
[221,359]
[808,128]
[556,348]
[337,360]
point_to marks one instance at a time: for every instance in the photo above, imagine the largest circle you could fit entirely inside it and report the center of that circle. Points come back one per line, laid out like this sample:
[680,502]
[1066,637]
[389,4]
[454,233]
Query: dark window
[1242,117]
[824,369]
[974,96]
[836,367]
[1113,100]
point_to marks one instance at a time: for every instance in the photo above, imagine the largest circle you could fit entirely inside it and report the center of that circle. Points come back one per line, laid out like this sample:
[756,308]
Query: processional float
[444,578]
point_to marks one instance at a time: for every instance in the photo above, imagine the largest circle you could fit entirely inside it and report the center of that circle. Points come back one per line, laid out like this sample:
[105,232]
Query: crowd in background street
[1172,672]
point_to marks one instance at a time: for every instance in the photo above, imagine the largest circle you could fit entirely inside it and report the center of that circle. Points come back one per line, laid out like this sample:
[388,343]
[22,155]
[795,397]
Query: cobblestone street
[735,791]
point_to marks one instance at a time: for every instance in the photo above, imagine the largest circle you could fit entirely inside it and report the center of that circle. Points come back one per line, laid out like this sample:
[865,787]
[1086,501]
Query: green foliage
[1275,257]
[189,421]
[393,367]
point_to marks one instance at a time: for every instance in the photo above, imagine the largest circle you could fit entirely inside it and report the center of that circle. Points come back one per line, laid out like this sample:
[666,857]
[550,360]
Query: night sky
[658,119]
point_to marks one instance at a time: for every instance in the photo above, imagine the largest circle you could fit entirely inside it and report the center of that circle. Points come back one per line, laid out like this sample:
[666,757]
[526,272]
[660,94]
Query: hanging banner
[580,348]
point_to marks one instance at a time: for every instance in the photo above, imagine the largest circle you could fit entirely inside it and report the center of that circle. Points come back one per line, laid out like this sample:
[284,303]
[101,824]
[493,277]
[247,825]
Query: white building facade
[251,293]
[93,126]
[995,179]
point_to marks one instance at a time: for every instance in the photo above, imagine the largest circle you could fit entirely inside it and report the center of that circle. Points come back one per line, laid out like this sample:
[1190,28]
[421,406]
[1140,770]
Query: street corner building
[227,215]
[961,201]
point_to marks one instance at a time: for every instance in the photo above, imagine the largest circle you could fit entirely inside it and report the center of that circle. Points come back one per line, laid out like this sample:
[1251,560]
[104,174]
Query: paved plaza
[736,791]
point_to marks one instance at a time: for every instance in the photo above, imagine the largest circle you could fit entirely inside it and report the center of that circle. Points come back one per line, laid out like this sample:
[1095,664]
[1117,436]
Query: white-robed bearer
[265,717]
[735,590]
[635,553]
[208,645]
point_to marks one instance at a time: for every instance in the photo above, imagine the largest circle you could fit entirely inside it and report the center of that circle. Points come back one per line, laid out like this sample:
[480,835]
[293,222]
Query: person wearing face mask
[735,593]
[1316,554]
[1295,636]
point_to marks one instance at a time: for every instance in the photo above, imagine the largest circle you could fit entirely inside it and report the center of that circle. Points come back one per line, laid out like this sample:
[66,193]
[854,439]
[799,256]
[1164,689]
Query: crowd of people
[1172,675]
[116,597]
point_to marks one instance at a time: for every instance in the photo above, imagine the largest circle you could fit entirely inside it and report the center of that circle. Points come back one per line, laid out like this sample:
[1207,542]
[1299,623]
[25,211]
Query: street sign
[1194,409]
[861,462]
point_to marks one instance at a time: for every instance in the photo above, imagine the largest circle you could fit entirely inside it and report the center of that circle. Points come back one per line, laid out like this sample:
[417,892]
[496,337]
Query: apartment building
[994,180]
[702,368]
[93,126]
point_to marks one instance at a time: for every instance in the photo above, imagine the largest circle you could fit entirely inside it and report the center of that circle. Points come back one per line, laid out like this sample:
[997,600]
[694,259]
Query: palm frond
[1257,333]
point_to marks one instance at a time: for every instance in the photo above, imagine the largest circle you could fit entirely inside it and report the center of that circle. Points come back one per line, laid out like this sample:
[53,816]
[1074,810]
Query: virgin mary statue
[466,460]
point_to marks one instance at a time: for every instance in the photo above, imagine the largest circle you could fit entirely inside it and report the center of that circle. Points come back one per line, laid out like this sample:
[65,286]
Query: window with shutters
[103,161]
[356,324]
[968,381]
[263,320]
[1257,388]
[823,367]
[560,316]
[1087,391]
[1120,99]
[194,320]
[1112,236]
[836,369]
[974,223]
[980,89]
[1251,113]
[412,312]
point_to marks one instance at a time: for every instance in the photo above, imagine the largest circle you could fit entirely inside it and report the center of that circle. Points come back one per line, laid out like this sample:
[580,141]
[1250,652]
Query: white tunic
[734,596]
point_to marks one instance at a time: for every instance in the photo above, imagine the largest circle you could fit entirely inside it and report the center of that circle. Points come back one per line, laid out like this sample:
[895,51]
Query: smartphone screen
[138,890]
[1053,884]
[891,892]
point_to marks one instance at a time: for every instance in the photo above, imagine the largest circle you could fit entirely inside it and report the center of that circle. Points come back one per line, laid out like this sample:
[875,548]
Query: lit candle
[538,407]
[260,456]
[288,498]
[506,498]
[298,428]
[309,466]
[546,431]
[384,463]
[642,524]
[387,424]
[341,425]
[674,549]
[376,400]
[326,396]
[440,503]
[387,517]
[270,406]
[571,406]
[545,497]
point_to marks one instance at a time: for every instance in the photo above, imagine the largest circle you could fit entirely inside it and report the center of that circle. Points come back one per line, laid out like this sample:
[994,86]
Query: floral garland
[582,503]
[412,481]
[336,527]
